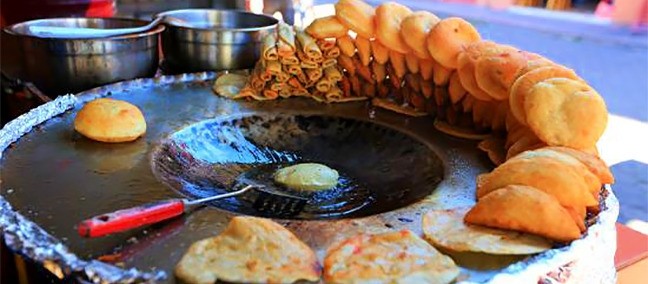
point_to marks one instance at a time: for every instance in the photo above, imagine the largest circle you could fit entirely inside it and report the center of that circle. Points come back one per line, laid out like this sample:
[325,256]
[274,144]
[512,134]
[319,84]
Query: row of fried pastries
[547,98]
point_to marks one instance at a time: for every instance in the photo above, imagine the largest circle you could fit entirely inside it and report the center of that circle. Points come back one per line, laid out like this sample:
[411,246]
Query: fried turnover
[249,250]
[525,209]
[523,85]
[495,74]
[388,24]
[414,30]
[566,112]
[356,15]
[444,228]
[394,257]
[448,37]
[327,27]
[591,161]
[109,120]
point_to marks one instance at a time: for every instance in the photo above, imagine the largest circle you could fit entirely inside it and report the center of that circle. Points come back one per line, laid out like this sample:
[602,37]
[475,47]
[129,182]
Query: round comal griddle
[197,144]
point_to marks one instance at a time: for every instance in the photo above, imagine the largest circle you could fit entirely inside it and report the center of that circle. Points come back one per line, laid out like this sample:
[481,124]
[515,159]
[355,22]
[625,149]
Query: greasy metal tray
[55,178]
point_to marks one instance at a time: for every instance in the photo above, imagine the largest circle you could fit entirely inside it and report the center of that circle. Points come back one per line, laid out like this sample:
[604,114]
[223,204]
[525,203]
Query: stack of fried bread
[541,120]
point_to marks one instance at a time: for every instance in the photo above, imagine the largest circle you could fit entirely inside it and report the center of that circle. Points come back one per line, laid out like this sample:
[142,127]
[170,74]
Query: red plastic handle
[131,218]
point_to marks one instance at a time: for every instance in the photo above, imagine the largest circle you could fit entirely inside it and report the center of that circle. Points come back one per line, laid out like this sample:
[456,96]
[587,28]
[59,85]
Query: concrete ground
[613,59]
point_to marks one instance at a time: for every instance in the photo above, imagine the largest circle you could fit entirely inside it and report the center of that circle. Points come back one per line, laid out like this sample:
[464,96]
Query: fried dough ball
[448,38]
[358,16]
[388,24]
[414,30]
[109,120]
[525,209]
[566,112]
[327,27]
[522,86]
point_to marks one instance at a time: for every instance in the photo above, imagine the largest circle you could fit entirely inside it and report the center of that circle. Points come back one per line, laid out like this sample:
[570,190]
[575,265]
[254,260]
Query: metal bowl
[58,66]
[213,39]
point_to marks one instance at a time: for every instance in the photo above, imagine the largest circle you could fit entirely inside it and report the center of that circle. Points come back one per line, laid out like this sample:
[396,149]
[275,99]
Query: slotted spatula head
[278,204]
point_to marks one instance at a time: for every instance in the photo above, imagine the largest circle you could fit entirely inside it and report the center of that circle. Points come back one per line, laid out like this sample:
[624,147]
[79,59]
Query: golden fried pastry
[346,45]
[566,112]
[398,64]
[558,179]
[249,250]
[356,15]
[380,52]
[414,30]
[327,27]
[495,74]
[364,50]
[412,63]
[392,106]
[499,118]
[394,257]
[455,89]
[494,148]
[110,120]
[446,229]
[230,84]
[522,86]
[525,209]
[591,161]
[441,74]
[388,24]
[527,141]
[448,38]
[426,68]
[591,180]
[466,61]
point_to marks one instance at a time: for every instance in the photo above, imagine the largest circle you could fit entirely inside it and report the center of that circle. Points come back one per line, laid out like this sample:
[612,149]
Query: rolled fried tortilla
[309,65]
[269,47]
[307,44]
[346,45]
[270,94]
[332,74]
[334,94]
[326,44]
[332,53]
[323,85]
[246,91]
[294,82]
[273,67]
[256,82]
[286,44]
[293,69]
[329,62]
[277,86]
[289,60]
[313,75]
[282,77]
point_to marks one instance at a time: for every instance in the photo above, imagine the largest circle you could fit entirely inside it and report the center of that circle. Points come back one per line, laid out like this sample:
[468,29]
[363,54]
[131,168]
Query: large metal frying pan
[54,178]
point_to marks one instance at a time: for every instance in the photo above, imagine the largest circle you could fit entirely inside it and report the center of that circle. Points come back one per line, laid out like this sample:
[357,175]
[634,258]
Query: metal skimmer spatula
[266,200]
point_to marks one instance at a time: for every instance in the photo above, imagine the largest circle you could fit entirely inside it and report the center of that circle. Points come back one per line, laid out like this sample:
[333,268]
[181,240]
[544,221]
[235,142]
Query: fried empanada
[394,257]
[448,38]
[414,30]
[566,112]
[558,179]
[389,16]
[591,161]
[358,16]
[495,74]
[525,209]
[327,27]
[455,89]
[523,84]
[249,250]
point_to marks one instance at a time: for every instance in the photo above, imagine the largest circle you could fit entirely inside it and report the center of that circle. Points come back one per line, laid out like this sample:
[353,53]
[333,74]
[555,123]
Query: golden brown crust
[249,250]
[394,257]
[414,30]
[524,209]
[109,120]
[358,16]
[327,27]
[388,23]
[448,38]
